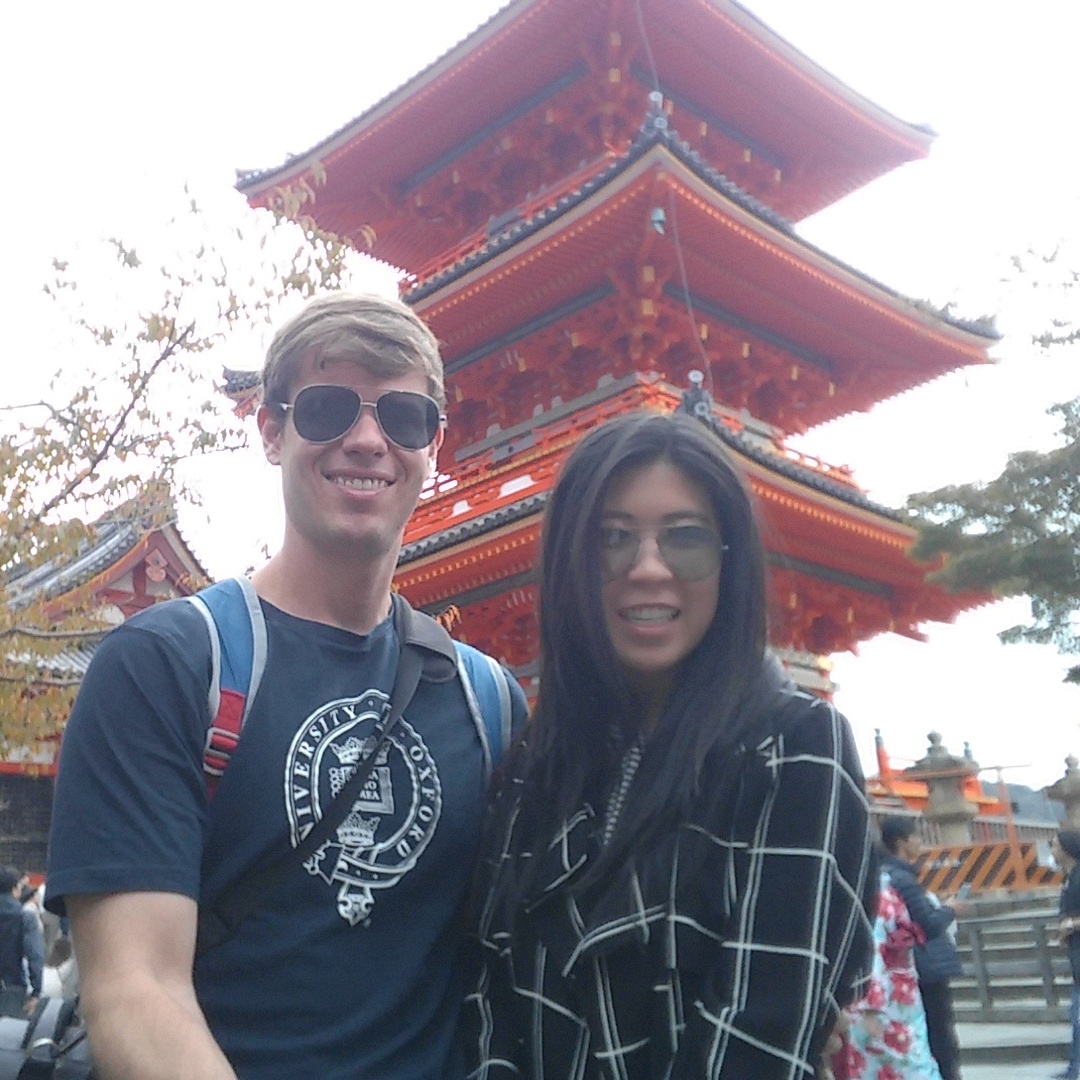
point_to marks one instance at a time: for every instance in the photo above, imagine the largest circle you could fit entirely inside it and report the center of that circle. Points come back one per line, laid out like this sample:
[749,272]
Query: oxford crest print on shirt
[389,825]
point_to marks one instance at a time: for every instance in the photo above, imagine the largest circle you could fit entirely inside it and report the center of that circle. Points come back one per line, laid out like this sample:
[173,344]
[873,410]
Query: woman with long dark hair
[679,866]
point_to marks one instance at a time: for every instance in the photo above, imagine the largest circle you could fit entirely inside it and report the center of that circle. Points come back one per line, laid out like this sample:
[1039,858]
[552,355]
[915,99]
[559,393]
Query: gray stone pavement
[1012,1051]
[1011,1071]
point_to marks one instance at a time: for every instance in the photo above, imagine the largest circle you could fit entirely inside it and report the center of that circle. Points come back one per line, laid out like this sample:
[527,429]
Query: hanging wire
[657,100]
[654,71]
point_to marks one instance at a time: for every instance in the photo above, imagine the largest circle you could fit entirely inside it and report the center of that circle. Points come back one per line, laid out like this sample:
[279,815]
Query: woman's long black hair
[586,713]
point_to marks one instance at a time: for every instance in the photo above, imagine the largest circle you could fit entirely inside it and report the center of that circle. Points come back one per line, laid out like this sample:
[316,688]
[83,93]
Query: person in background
[22,951]
[936,959]
[678,866]
[31,899]
[61,975]
[1065,847]
[51,925]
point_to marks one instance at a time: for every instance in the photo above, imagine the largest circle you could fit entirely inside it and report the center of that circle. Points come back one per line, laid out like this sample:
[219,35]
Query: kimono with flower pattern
[888,1039]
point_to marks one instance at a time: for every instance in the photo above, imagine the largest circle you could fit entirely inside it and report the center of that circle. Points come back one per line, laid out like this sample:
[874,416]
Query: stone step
[1012,1042]
[1022,1010]
[1009,990]
[1028,967]
[1004,954]
[999,938]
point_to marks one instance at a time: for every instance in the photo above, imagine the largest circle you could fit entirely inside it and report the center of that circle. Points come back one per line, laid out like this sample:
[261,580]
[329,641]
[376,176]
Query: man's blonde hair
[385,337]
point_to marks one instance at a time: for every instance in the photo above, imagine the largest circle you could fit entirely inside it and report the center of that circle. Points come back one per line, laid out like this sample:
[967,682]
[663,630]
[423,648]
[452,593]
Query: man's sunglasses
[323,414]
[690,552]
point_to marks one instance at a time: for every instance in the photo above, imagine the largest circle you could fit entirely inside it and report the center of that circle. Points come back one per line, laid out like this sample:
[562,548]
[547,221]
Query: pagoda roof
[654,132]
[112,541]
[825,138]
[745,267]
[658,134]
[743,444]
[481,530]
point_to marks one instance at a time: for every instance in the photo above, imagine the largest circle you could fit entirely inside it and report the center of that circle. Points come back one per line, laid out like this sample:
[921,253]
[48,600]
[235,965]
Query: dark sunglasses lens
[408,419]
[618,552]
[692,552]
[324,413]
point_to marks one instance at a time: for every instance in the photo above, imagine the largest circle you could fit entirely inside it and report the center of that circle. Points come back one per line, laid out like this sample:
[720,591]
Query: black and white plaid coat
[723,955]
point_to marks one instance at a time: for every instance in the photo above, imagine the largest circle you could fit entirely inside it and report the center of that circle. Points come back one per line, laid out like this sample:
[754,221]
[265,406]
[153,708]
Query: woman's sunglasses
[323,414]
[690,552]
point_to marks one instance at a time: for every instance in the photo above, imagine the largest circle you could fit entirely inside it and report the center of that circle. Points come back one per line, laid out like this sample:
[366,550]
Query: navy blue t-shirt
[349,971]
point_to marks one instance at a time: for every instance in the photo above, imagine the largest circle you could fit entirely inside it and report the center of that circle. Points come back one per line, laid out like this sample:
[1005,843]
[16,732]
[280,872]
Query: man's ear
[271,429]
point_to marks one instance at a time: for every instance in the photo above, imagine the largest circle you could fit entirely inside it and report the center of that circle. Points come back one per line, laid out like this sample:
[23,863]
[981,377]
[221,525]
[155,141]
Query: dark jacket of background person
[936,961]
[1070,909]
[19,937]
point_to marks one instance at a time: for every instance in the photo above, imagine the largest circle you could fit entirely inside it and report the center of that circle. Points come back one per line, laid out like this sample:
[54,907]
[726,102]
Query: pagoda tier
[660,262]
[473,543]
[574,255]
[548,92]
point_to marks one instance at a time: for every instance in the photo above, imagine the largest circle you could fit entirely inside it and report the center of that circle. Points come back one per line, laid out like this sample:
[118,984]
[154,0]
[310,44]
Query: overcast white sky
[112,106]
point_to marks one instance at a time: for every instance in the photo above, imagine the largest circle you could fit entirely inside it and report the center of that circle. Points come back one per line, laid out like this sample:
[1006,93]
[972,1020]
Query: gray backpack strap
[213,697]
[237,630]
[488,695]
[502,686]
[258,639]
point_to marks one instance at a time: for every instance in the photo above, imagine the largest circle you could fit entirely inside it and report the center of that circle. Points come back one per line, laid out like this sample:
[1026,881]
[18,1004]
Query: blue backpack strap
[237,632]
[487,691]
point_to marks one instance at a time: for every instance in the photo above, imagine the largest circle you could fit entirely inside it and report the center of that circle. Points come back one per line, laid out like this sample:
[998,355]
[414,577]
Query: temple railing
[1015,968]
[493,470]
[985,828]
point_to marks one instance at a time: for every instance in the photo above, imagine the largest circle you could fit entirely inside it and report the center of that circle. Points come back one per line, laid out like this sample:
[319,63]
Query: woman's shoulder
[804,721]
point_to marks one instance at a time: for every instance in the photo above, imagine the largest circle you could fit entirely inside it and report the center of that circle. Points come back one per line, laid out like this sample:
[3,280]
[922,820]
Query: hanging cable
[647,46]
[660,222]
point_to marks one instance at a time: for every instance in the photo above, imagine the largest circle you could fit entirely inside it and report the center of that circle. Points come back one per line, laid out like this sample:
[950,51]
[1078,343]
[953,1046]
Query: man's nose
[366,434]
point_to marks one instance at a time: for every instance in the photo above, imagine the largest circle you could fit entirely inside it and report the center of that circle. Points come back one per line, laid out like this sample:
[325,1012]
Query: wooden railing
[1015,970]
[477,485]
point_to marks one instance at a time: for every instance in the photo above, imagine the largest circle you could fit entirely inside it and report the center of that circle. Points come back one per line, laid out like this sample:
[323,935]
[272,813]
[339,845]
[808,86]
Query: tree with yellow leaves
[133,400]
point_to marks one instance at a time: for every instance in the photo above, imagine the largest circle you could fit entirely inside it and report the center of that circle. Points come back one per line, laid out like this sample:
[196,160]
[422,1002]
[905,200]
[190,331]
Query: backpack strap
[484,680]
[218,921]
[487,691]
[237,630]
[426,649]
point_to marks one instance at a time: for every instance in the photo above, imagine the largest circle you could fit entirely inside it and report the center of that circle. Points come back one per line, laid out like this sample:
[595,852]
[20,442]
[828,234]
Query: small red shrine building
[132,558]
[590,201]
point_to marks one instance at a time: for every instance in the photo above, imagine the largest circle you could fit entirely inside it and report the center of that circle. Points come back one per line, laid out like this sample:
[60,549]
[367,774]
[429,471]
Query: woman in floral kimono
[887,1038]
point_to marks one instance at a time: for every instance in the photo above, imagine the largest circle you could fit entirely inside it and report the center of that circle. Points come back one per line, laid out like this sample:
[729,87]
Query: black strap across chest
[221,918]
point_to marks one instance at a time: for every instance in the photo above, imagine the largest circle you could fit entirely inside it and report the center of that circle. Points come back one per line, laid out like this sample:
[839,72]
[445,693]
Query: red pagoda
[590,201]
